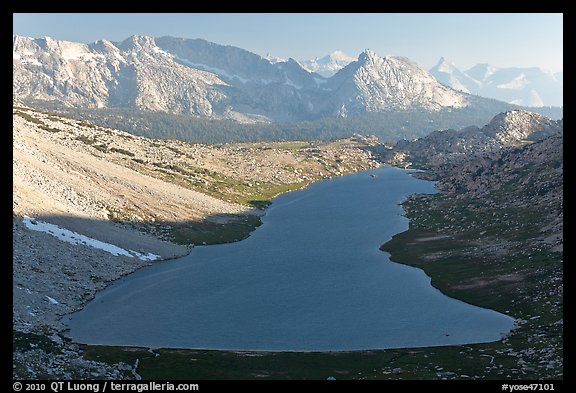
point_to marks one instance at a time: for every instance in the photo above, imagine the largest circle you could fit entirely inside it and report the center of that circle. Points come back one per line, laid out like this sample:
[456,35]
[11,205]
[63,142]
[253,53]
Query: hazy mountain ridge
[521,86]
[374,84]
[200,78]
[328,65]
[134,73]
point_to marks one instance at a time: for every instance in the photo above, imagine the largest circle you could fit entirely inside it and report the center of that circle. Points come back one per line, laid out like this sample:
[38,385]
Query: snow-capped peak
[446,66]
[521,86]
[338,55]
[136,43]
[368,54]
[391,82]
[329,64]
[274,59]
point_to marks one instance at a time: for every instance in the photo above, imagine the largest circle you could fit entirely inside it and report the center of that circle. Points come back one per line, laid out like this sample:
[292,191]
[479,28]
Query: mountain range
[521,86]
[532,87]
[203,79]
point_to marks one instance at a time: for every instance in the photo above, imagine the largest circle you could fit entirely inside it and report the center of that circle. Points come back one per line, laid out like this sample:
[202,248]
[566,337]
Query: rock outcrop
[513,128]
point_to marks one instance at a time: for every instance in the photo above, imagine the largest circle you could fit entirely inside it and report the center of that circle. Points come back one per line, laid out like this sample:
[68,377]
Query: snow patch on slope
[76,238]
[217,71]
[328,65]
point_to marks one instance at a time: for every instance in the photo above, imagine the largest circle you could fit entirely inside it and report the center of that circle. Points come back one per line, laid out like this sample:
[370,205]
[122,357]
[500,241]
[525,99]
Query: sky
[502,40]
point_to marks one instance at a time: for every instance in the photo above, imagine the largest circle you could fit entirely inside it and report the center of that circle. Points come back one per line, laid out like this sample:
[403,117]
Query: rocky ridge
[521,86]
[374,84]
[199,78]
[513,128]
[517,152]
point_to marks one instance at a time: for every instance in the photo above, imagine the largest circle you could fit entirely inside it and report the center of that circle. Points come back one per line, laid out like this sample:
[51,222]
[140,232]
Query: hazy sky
[503,40]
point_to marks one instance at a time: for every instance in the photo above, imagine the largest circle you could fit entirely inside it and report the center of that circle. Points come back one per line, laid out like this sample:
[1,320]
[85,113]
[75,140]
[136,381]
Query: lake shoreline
[247,358]
[40,303]
[476,361]
[347,216]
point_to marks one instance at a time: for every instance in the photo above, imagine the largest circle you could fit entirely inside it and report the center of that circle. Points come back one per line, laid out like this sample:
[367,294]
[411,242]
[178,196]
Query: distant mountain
[449,75]
[134,73]
[375,84]
[521,86]
[166,74]
[201,79]
[274,59]
[480,72]
[328,65]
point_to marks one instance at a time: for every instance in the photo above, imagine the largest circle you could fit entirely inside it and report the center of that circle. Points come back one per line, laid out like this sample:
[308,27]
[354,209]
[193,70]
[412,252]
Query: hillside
[448,147]
[91,204]
[493,237]
[388,126]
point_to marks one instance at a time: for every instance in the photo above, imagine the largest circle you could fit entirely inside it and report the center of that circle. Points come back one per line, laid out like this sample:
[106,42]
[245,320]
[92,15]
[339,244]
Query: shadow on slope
[169,239]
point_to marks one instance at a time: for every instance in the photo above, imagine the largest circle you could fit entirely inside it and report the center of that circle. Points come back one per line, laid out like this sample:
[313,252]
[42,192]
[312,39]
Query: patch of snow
[145,257]
[274,59]
[52,300]
[74,51]
[446,67]
[327,65]
[213,70]
[457,85]
[92,57]
[338,55]
[160,51]
[533,99]
[76,238]
[120,57]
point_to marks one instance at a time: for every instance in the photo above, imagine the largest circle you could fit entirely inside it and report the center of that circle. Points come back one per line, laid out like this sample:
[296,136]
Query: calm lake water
[311,278]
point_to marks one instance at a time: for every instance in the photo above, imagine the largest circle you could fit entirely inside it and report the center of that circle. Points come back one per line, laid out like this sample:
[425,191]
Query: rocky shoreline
[493,237]
[51,279]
